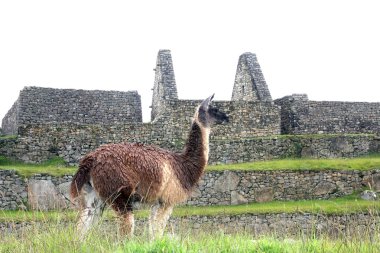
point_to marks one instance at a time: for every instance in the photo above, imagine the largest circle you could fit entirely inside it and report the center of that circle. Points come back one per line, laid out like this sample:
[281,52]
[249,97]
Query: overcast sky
[327,49]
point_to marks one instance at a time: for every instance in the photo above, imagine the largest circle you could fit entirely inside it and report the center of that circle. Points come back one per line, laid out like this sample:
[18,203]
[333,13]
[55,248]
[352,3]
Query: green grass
[348,204]
[344,205]
[8,137]
[61,238]
[55,167]
[359,163]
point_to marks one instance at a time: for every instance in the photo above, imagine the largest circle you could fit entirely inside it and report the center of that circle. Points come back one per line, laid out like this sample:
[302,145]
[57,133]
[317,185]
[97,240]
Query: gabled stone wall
[250,84]
[10,121]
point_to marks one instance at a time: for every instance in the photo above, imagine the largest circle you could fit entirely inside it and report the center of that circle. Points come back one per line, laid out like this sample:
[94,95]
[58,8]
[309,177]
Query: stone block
[264,194]
[43,196]
[237,199]
[368,195]
[227,182]
[324,188]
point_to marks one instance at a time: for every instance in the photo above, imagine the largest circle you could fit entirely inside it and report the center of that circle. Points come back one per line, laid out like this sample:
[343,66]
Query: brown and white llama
[125,173]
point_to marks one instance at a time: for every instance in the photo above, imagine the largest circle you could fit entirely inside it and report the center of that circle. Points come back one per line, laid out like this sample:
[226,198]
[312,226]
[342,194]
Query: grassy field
[55,231]
[57,167]
[54,167]
[63,238]
[344,205]
[359,163]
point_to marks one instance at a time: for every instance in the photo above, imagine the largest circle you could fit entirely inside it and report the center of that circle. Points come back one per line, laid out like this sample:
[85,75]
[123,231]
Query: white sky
[327,49]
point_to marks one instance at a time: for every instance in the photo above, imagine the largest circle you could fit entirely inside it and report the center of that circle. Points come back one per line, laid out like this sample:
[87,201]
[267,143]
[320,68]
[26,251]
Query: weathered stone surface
[264,194]
[368,195]
[374,182]
[43,195]
[324,188]
[227,182]
[64,191]
[237,198]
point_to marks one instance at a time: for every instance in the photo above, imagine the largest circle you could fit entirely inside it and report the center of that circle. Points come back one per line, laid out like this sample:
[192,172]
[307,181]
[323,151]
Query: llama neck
[197,146]
[195,154]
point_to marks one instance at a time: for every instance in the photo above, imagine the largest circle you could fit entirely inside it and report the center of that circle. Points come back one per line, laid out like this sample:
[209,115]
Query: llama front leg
[159,216]
[92,209]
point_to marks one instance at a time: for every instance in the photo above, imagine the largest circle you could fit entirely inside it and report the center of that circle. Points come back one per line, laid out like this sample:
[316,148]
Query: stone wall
[302,116]
[280,225]
[240,187]
[220,187]
[307,146]
[164,87]
[10,120]
[250,84]
[41,142]
[13,191]
[246,118]
[46,105]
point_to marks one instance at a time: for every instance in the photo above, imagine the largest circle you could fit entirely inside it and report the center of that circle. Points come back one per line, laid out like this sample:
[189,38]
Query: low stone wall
[71,142]
[13,191]
[281,225]
[239,187]
[276,147]
[216,187]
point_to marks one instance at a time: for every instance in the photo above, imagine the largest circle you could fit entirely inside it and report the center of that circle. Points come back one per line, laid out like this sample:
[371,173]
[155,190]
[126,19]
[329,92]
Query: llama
[122,174]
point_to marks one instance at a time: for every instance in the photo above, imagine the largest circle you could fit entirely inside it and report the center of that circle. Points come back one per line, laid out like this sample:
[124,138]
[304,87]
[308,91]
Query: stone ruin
[69,123]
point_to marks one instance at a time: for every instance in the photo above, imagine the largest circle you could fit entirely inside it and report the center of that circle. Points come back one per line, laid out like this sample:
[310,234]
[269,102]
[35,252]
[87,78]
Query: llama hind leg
[160,214]
[91,210]
[127,226]
[124,211]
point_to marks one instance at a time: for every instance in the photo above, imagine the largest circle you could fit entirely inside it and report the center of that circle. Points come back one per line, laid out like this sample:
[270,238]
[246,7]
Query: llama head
[208,115]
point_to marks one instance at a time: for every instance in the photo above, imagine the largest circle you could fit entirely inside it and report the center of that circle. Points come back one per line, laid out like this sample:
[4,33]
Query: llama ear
[207,101]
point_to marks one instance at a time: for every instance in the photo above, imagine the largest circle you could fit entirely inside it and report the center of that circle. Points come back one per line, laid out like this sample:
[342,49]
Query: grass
[58,167]
[8,137]
[360,163]
[61,238]
[344,205]
[55,167]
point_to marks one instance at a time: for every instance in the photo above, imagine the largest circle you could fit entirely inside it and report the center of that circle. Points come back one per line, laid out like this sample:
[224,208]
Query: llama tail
[81,177]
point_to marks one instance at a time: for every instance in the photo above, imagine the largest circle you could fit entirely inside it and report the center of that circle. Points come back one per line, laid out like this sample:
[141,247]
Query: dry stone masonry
[45,192]
[302,116]
[241,187]
[280,225]
[249,83]
[46,105]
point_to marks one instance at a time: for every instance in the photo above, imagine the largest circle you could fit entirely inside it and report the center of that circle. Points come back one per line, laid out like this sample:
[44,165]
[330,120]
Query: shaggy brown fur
[121,174]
